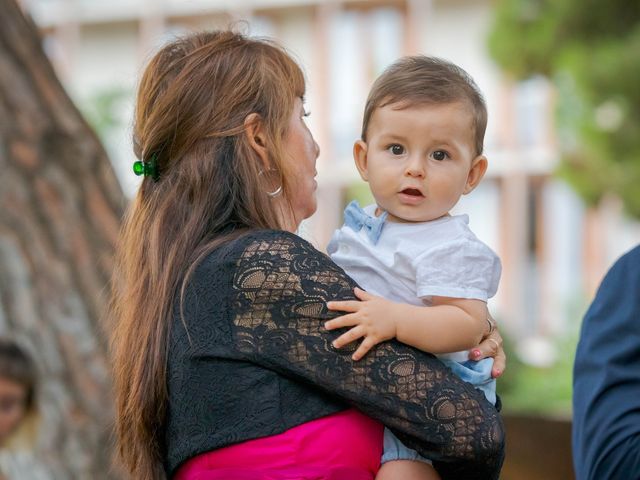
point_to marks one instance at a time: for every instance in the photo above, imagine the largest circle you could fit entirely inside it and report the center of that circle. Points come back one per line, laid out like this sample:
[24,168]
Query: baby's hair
[16,365]
[419,80]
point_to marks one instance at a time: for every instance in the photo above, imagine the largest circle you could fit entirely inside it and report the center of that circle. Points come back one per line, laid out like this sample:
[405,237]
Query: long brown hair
[193,99]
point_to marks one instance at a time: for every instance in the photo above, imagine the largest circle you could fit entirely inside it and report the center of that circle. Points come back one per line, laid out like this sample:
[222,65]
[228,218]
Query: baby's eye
[396,149]
[440,155]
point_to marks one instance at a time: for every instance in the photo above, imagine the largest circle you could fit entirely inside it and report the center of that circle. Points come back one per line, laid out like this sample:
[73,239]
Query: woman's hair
[193,99]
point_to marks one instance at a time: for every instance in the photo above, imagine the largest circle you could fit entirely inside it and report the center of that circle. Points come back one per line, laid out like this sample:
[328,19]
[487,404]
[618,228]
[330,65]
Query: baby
[427,276]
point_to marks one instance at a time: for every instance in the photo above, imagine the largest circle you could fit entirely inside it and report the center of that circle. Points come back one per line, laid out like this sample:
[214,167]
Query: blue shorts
[477,374]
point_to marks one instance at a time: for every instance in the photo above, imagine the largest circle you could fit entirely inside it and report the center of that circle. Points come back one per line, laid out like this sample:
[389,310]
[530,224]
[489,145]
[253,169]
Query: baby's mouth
[413,192]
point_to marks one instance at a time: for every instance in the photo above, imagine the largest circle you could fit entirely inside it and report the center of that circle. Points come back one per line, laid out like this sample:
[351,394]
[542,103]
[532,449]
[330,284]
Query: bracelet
[492,325]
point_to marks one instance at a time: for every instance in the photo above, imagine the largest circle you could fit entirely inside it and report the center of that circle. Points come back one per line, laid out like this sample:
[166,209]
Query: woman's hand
[491,347]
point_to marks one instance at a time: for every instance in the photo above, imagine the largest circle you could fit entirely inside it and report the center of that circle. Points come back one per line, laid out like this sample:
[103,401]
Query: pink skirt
[343,446]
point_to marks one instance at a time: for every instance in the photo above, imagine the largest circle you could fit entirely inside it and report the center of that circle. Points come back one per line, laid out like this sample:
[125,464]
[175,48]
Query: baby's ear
[360,157]
[476,172]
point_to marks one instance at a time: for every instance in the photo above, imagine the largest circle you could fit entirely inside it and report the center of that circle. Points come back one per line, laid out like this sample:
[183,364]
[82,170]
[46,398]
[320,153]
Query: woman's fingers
[499,364]
[491,347]
[492,324]
[346,338]
[488,347]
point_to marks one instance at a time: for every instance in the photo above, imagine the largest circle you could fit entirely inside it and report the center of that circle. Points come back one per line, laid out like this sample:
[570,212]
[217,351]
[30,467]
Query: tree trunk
[60,207]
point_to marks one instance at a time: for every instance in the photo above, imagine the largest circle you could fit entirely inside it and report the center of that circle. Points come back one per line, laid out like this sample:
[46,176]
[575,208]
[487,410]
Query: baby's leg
[401,463]
[407,470]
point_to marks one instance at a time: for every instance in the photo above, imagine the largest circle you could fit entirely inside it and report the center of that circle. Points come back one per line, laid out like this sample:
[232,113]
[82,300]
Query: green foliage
[528,389]
[358,190]
[525,388]
[103,110]
[591,50]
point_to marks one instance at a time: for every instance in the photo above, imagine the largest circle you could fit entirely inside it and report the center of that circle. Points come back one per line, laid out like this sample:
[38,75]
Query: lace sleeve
[281,288]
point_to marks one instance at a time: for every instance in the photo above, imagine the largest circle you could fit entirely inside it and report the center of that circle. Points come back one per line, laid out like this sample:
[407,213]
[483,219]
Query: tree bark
[60,209]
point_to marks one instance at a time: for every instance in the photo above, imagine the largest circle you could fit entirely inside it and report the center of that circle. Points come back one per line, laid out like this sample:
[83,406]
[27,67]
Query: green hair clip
[148,169]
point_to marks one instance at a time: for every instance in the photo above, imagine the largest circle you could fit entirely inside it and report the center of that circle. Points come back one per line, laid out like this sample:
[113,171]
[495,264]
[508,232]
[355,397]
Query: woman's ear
[254,130]
[360,157]
[477,171]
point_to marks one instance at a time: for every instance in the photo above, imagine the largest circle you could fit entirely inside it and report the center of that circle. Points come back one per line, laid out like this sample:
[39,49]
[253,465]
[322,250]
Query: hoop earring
[275,192]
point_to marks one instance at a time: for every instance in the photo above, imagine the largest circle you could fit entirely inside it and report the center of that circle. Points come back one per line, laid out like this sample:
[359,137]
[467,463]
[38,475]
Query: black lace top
[252,359]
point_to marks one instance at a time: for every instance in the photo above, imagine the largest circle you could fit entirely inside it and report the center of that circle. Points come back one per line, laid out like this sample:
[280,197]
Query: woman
[18,415]
[220,356]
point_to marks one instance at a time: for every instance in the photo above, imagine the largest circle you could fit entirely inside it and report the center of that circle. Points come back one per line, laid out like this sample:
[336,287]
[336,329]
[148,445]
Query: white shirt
[412,262]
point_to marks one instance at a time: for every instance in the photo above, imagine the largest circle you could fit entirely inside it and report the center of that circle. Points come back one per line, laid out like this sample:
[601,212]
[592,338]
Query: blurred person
[606,379]
[222,366]
[420,151]
[18,415]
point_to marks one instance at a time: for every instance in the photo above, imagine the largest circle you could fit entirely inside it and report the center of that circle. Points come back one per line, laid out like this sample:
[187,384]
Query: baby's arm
[449,325]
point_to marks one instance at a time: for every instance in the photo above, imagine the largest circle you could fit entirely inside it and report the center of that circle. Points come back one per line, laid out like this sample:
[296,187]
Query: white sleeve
[463,268]
[332,247]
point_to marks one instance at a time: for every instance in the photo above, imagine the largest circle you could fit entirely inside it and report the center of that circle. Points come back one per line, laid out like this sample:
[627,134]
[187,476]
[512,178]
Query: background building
[554,250]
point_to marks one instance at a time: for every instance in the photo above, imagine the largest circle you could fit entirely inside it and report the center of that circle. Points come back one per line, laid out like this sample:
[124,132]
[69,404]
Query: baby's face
[419,160]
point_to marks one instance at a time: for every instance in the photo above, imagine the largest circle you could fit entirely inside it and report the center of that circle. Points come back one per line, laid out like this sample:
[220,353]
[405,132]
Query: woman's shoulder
[270,239]
[258,245]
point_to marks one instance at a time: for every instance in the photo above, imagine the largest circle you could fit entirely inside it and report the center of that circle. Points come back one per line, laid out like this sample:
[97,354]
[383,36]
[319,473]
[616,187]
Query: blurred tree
[60,205]
[591,50]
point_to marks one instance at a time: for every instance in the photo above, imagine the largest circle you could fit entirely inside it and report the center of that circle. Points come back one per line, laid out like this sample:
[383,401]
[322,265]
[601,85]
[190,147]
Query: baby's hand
[372,318]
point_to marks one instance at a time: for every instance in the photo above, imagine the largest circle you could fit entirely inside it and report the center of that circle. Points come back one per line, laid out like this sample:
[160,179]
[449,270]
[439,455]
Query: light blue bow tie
[357,219]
